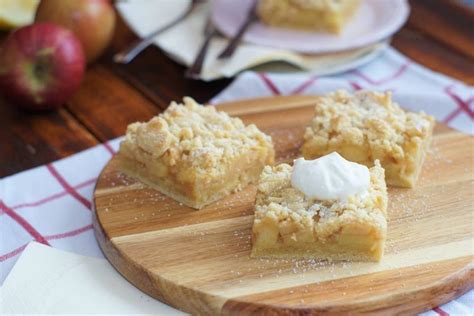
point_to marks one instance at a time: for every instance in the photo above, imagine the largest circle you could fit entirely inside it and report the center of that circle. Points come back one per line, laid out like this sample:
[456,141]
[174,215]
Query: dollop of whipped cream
[330,177]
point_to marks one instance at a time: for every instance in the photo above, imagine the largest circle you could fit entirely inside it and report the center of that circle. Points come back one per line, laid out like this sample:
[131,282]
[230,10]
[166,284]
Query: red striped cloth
[414,87]
[52,204]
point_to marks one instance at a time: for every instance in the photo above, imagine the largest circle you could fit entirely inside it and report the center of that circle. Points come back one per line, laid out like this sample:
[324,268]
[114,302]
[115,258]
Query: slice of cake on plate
[328,208]
[369,126]
[310,15]
[195,154]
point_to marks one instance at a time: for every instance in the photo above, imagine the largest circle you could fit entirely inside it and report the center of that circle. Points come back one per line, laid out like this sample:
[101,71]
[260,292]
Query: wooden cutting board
[198,261]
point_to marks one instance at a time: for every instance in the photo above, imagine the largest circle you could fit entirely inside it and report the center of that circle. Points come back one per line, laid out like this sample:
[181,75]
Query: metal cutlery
[235,40]
[194,70]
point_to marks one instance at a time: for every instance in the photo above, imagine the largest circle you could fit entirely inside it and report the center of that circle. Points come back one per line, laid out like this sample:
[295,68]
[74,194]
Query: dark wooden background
[439,35]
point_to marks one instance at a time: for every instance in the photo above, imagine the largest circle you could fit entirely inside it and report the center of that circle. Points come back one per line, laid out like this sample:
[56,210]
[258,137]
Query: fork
[130,52]
[194,70]
[229,50]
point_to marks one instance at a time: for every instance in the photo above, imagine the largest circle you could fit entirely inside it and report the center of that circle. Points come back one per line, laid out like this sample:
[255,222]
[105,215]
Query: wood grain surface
[198,261]
[439,35]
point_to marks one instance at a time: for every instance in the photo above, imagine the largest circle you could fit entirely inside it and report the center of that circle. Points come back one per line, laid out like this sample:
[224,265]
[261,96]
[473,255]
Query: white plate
[374,21]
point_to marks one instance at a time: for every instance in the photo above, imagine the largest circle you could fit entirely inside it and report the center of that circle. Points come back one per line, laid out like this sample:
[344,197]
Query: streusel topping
[277,199]
[370,117]
[197,135]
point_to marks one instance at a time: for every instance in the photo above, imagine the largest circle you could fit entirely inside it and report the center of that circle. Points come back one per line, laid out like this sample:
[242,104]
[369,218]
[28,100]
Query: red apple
[41,66]
[93,21]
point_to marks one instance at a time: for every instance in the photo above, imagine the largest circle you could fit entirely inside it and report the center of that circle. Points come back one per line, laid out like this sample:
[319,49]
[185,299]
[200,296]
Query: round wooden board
[198,261]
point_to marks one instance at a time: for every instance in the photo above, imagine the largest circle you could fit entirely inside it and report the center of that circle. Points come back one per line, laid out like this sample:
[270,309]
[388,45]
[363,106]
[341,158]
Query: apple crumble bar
[312,15]
[367,126]
[289,224]
[195,154]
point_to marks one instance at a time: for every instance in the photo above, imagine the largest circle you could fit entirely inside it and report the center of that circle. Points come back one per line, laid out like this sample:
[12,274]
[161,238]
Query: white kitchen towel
[182,43]
[51,204]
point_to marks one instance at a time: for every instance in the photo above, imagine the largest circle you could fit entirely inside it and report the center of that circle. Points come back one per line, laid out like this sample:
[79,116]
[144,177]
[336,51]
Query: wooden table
[439,35]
